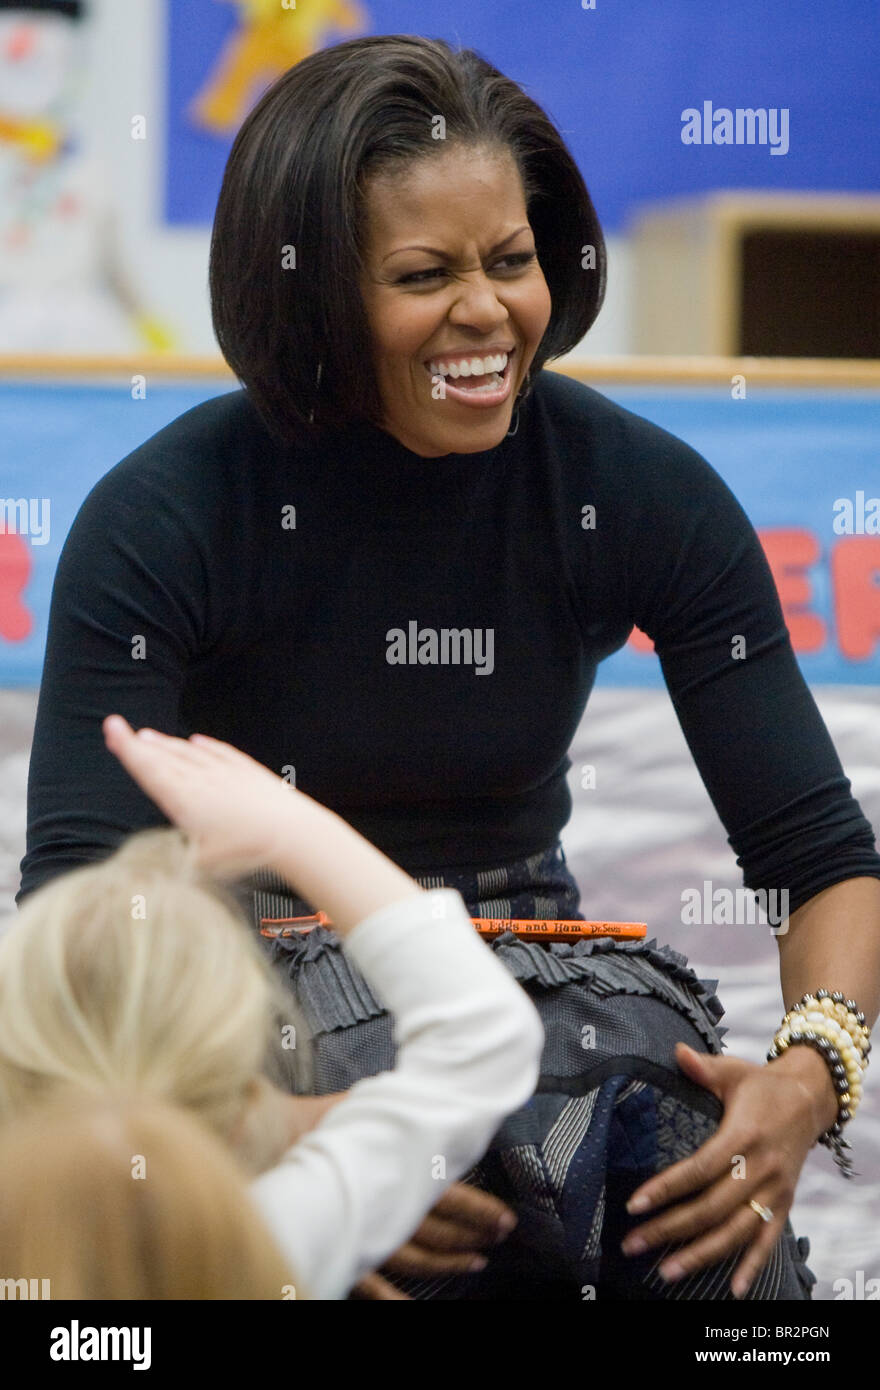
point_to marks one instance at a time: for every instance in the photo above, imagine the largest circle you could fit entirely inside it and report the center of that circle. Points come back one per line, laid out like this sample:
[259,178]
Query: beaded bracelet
[844,1012]
[804,1020]
[836,1028]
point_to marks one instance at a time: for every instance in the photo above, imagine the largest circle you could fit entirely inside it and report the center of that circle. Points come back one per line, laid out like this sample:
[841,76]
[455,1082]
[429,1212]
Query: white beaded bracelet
[836,1028]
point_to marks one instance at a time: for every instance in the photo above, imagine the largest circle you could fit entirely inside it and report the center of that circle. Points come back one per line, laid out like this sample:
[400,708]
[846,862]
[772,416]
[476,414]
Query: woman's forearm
[833,943]
[333,866]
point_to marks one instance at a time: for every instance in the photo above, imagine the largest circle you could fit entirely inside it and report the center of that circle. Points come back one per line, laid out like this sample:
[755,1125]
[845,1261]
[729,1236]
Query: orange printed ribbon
[529,929]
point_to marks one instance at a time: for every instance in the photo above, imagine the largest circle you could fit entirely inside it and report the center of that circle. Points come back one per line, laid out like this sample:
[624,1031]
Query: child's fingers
[161,769]
[119,734]
[225,752]
[197,749]
[158,776]
[151,747]
[114,726]
[173,770]
[151,759]
[202,750]
[166,748]
[211,791]
[214,745]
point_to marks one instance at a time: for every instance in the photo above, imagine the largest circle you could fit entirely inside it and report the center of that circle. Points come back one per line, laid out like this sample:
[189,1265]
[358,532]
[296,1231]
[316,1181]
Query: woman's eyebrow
[445,256]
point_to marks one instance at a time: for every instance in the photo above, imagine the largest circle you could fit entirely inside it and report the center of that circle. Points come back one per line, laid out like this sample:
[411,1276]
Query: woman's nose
[477,304]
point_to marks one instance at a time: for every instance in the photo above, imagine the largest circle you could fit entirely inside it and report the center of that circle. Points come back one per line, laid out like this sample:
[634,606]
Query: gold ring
[764,1212]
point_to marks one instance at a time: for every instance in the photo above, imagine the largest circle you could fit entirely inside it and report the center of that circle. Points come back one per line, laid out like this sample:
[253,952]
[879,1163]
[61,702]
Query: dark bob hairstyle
[296,178]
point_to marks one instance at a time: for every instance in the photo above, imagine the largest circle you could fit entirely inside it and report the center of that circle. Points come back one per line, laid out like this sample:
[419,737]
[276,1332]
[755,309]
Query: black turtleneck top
[308,605]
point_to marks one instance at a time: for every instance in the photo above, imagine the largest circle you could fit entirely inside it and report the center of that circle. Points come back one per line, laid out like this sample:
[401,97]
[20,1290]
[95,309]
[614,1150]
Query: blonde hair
[139,973]
[127,1197]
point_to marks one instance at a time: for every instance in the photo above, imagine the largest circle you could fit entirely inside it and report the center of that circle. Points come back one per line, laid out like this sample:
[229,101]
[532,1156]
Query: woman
[132,976]
[389,568]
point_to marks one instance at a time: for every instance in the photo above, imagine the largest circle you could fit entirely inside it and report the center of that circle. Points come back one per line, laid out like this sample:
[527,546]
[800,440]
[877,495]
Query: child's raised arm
[469,1040]
[239,815]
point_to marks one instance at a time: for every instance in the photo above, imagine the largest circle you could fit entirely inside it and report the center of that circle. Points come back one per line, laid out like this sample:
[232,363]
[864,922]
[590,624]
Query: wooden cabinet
[759,274]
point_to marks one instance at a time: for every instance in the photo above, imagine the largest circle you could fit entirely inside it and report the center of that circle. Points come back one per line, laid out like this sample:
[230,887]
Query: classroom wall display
[660,99]
[66,279]
[803,464]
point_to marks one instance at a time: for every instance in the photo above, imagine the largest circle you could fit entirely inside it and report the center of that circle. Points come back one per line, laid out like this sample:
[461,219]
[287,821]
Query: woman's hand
[230,806]
[452,1239]
[773,1115]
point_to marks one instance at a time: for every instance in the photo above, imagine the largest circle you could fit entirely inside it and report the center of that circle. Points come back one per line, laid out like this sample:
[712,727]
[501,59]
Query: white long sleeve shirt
[469,1045]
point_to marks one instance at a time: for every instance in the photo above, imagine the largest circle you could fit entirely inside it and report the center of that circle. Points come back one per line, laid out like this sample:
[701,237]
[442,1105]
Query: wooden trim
[151,364]
[859,210]
[841,373]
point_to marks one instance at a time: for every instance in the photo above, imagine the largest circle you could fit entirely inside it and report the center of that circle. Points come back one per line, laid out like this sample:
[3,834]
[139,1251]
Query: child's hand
[231,807]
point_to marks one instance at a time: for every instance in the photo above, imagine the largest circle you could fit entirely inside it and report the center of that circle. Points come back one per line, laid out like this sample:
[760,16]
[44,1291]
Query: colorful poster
[618,80]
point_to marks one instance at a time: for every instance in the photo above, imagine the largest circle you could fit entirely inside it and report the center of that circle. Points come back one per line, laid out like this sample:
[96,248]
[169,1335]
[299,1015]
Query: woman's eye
[521,258]
[512,262]
[418,277]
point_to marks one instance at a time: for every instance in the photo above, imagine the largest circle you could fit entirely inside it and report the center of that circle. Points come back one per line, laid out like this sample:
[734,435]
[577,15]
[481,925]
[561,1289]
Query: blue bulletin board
[615,77]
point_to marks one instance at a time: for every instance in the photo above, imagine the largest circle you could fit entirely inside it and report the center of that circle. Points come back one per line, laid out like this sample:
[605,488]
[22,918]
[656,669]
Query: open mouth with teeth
[474,374]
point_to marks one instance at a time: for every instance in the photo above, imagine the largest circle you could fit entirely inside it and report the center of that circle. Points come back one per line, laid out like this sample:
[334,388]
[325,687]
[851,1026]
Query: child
[107,981]
[126,1197]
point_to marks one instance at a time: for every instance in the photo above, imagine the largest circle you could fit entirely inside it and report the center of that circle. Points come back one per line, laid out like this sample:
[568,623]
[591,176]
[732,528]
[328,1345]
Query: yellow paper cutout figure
[272,38]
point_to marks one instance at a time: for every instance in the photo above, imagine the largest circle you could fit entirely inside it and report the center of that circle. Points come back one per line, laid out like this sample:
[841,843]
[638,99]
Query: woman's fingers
[375,1287]
[714,1206]
[436,1233]
[716,1245]
[477,1216]
[757,1255]
[450,1236]
[449,1240]
[681,1223]
[711,1161]
[416,1259]
[723,1242]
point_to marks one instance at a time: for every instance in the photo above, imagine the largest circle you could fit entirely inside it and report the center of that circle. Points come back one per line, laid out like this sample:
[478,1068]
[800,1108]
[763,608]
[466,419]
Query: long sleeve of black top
[215,581]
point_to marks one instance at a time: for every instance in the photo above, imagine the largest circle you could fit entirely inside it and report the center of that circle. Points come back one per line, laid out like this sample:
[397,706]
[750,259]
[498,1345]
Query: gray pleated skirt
[611,1109]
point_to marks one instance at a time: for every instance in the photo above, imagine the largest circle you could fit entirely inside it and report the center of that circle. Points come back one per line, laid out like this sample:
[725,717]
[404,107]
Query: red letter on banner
[855,572]
[789,553]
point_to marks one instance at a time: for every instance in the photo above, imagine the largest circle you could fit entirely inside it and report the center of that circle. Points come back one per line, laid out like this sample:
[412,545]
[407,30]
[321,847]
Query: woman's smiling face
[451,277]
